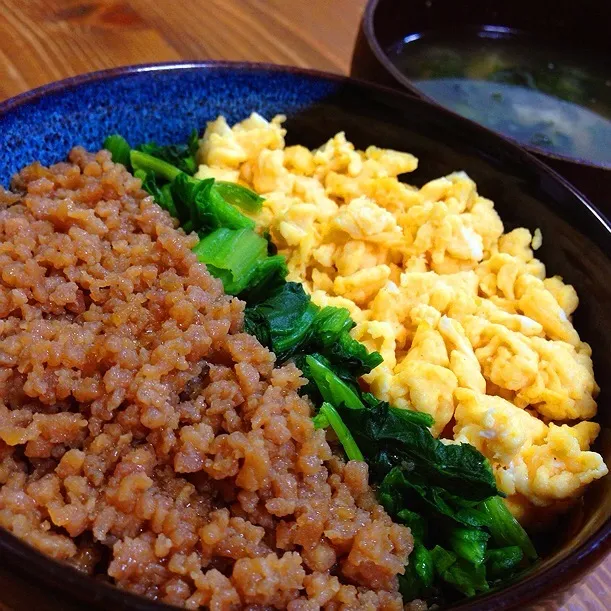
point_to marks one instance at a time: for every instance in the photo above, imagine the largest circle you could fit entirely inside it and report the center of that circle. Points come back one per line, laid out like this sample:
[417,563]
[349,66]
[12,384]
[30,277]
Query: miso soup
[534,92]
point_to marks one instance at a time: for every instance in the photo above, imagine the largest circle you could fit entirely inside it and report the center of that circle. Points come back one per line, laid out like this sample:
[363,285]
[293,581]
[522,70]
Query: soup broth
[533,92]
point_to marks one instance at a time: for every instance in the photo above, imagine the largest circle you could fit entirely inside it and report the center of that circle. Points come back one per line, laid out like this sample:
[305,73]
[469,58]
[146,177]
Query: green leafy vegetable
[162,196]
[419,577]
[233,256]
[239,196]
[182,156]
[198,201]
[503,561]
[167,200]
[331,336]
[467,578]
[423,564]
[184,190]
[353,355]
[320,421]
[229,246]
[470,579]
[238,257]
[442,558]
[421,418]
[459,468]
[329,413]
[148,163]
[331,387]
[283,321]
[446,494]
[403,486]
[216,212]
[307,329]
[505,529]
[416,523]
[330,323]
[469,543]
[119,149]
[269,276]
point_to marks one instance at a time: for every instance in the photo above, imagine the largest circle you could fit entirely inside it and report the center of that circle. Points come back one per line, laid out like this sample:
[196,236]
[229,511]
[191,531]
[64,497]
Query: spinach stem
[343,433]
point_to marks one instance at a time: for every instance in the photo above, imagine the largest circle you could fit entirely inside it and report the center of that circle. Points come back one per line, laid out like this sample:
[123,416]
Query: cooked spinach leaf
[269,276]
[283,321]
[505,529]
[503,561]
[446,493]
[419,577]
[162,196]
[239,196]
[232,255]
[469,543]
[119,149]
[331,387]
[468,578]
[182,156]
[327,415]
[149,163]
[458,468]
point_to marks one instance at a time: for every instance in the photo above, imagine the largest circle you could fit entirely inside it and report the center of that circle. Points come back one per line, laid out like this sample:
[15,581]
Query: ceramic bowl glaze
[165,102]
[578,25]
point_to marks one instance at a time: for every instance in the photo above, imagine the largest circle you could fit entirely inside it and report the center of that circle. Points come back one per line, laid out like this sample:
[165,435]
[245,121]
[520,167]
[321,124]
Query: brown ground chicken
[143,436]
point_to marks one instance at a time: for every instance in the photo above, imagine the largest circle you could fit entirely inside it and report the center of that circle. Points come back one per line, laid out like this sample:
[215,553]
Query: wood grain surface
[46,40]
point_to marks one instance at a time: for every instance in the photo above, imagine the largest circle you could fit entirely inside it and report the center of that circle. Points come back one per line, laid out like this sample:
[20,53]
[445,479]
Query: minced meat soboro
[144,437]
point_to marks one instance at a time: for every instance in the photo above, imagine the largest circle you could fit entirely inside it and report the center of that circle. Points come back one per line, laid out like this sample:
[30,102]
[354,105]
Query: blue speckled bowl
[164,102]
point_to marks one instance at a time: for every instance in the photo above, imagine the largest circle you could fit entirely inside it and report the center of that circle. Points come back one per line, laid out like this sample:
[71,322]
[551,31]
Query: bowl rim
[367,25]
[553,578]
[70,82]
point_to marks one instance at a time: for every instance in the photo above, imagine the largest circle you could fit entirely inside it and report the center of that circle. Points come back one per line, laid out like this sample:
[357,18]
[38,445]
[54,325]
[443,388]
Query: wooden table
[46,40]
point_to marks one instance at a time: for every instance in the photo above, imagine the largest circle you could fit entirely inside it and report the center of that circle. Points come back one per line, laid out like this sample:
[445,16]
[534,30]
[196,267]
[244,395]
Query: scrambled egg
[470,328]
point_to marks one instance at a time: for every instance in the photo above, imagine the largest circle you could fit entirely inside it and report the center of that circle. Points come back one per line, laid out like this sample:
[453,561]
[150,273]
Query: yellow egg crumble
[470,328]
